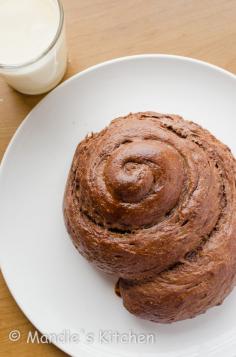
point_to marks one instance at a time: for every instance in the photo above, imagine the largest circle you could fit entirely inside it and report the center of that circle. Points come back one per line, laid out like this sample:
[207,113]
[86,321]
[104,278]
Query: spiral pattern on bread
[152,199]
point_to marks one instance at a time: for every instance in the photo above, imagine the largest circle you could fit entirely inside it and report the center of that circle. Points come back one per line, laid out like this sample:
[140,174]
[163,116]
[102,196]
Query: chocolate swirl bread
[152,199]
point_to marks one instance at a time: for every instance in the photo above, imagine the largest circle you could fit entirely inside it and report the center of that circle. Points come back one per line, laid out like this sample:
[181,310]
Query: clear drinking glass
[44,72]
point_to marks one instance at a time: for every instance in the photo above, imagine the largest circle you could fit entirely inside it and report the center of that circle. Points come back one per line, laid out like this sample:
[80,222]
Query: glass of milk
[33,55]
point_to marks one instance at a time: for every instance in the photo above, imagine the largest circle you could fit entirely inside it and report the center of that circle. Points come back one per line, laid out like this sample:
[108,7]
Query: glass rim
[47,50]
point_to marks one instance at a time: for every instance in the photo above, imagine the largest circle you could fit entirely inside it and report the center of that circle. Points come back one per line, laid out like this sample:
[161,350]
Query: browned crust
[152,199]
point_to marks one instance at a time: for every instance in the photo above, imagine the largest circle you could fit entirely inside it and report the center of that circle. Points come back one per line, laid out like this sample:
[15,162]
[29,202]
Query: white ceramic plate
[55,287]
